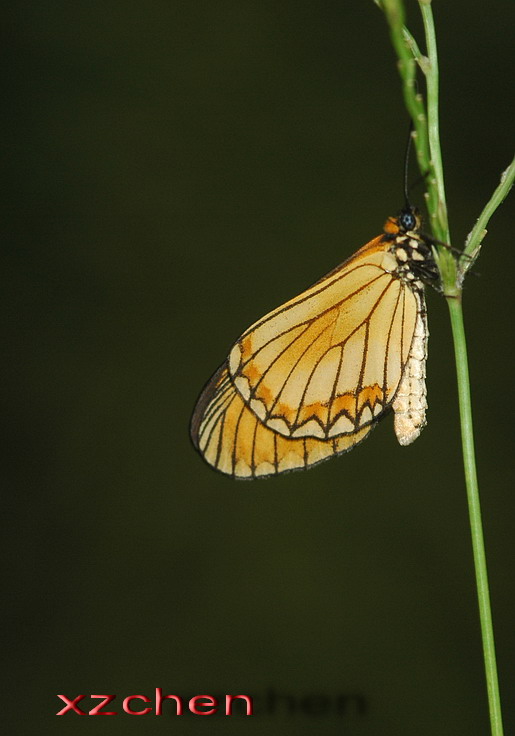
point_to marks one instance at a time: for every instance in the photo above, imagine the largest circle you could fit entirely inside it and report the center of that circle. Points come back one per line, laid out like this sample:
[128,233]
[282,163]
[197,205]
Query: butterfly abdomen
[410,402]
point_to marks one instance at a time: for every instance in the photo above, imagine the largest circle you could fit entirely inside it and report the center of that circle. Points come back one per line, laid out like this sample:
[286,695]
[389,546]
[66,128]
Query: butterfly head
[411,248]
[408,221]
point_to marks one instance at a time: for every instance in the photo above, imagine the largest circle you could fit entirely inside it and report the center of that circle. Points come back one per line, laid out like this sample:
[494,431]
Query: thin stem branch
[478,232]
[478,546]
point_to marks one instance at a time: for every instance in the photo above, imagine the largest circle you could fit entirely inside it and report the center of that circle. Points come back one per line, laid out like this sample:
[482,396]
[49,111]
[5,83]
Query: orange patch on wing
[252,373]
[286,412]
[246,349]
[345,403]
[317,409]
[264,393]
[370,395]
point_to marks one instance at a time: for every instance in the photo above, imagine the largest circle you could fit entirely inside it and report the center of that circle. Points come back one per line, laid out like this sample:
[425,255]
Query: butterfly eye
[407,220]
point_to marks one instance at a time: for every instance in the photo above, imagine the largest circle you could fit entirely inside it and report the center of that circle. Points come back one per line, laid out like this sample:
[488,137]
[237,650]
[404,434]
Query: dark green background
[175,170]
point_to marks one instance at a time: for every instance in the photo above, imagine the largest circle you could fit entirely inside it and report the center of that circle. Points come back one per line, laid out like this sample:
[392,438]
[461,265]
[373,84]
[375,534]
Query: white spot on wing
[366,415]
[278,425]
[264,468]
[234,359]
[242,470]
[343,425]
[243,386]
[310,429]
[258,408]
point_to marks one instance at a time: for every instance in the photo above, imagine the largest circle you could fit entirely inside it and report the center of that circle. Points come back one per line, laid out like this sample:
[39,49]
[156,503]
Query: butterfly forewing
[314,367]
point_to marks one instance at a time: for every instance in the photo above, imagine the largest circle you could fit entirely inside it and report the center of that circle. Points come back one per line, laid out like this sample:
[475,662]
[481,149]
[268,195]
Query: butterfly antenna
[406,165]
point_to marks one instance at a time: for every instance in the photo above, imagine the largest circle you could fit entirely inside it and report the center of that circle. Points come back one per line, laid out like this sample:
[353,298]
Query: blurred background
[174,170]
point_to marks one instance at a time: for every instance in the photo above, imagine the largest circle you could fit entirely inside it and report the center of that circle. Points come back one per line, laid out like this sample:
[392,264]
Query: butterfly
[312,378]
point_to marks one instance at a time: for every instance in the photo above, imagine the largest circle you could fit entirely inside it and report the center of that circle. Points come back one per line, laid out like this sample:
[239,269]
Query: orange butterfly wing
[312,378]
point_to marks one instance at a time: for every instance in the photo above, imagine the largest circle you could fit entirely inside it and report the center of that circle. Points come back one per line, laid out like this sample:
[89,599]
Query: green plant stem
[436,189]
[478,232]
[427,139]
[469,464]
[439,222]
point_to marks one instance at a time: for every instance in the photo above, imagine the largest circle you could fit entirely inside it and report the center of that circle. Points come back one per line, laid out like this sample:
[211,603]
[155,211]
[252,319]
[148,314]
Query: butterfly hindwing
[233,440]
